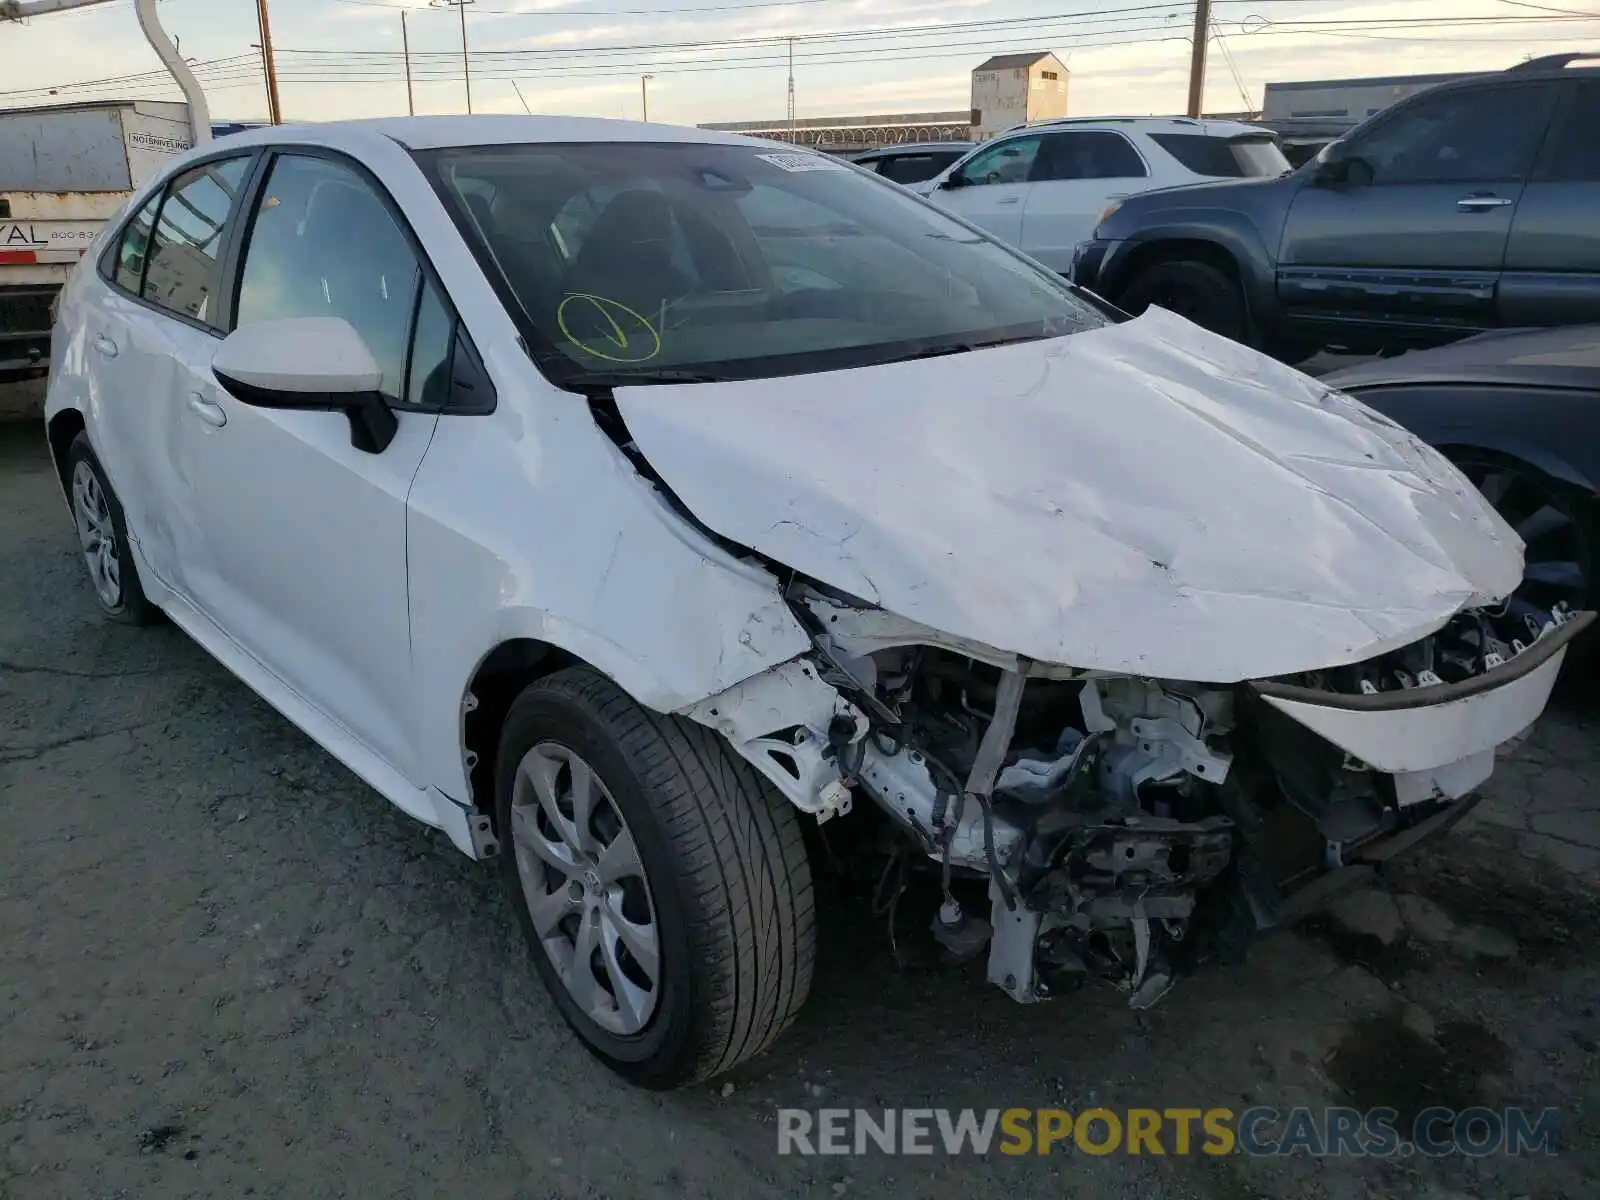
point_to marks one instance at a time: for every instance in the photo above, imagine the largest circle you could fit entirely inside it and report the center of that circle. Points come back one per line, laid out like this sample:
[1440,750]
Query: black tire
[1195,290]
[726,867]
[129,604]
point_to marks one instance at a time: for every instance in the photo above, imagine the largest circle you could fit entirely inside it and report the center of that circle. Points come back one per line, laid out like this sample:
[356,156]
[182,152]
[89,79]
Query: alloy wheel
[97,533]
[586,888]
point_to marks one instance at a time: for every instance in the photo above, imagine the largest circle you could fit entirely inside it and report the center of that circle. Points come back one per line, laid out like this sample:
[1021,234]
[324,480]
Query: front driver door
[304,562]
[991,188]
[1413,238]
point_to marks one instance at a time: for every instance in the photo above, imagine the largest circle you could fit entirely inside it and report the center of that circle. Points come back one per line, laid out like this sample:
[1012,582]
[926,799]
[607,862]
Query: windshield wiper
[629,378]
[961,348]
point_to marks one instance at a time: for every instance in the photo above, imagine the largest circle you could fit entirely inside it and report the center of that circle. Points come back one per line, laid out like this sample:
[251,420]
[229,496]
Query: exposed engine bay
[1129,829]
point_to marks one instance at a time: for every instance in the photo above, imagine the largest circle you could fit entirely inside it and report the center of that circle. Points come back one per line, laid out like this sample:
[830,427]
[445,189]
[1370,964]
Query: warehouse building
[1013,89]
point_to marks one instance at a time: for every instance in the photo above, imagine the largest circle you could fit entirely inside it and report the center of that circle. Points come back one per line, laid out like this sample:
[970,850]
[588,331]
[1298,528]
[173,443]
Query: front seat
[628,255]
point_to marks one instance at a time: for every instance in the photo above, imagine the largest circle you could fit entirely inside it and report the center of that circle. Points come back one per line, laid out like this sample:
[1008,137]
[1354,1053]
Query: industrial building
[1012,89]
[1007,90]
[1349,100]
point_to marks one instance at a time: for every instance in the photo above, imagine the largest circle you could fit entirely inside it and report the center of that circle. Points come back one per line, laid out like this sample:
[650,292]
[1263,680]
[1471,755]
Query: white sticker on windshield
[803,162]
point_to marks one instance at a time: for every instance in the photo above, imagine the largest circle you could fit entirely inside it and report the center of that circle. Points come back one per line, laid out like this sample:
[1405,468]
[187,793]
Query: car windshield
[672,262]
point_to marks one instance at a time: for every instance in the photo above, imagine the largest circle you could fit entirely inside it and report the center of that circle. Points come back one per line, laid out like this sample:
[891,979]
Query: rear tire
[717,901]
[103,535]
[1192,289]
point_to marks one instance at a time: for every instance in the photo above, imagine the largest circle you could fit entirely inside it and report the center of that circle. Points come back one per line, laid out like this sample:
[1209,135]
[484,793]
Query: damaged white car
[621,500]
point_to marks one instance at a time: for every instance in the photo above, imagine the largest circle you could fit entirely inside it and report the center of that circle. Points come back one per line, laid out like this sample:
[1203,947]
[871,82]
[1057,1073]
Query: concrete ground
[22,401]
[227,968]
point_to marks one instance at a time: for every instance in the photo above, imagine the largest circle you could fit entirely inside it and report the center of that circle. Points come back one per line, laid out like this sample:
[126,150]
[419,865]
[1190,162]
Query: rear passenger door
[150,348]
[1074,175]
[1414,236]
[1552,268]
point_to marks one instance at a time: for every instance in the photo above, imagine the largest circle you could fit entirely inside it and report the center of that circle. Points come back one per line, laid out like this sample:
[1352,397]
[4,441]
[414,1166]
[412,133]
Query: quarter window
[181,272]
[135,246]
[324,245]
[1483,135]
[431,352]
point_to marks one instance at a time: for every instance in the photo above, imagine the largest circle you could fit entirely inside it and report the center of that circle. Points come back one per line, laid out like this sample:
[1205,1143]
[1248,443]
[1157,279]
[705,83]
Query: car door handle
[106,346]
[1482,203]
[1009,200]
[208,411]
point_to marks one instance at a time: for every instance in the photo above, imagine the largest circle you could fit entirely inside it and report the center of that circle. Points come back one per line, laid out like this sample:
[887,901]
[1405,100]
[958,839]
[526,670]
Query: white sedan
[623,498]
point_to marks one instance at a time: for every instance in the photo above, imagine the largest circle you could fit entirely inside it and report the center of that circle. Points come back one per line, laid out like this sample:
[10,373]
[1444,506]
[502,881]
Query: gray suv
[1471,206]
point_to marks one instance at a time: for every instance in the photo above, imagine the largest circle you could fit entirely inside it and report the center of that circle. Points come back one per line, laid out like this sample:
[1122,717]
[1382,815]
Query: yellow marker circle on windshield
[625,336]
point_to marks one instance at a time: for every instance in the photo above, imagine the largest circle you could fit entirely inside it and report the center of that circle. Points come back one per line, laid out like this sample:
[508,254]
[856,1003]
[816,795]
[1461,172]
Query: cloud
[885,75]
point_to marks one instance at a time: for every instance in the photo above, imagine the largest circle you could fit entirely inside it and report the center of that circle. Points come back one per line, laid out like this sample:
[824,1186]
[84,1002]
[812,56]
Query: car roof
[437,133]
[1563,357]
[960,147]
[1204,127]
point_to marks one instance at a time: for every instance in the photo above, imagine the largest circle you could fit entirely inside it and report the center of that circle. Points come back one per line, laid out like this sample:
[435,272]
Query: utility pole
[405,46]
[1197,64]
[269,68]
[791,92]
[466,64]
[644,94]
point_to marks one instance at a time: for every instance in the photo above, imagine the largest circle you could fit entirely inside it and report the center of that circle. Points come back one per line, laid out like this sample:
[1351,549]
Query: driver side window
[1008,162]
[324,245]
[1485,135]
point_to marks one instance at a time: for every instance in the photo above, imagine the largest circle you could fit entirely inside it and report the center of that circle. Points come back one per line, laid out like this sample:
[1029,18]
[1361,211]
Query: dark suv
[1471,206]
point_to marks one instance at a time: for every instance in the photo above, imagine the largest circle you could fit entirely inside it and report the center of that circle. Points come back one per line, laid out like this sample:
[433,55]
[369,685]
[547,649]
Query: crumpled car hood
[1145,498]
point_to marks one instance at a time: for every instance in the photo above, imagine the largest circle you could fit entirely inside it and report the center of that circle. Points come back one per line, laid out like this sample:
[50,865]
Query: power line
[581,14]
[351,67]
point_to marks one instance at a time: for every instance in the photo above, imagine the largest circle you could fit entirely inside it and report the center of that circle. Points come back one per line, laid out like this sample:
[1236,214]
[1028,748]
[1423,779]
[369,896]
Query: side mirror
[1336,168]
[309,363]
[954,180]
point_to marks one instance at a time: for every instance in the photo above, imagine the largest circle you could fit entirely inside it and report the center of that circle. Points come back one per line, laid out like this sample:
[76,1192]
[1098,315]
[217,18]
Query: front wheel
[1195,290]
[662,886]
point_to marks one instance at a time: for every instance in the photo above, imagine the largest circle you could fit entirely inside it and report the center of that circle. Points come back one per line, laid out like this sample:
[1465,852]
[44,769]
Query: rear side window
[181,274]
[1224,158]
[1573,152]
[1087,154]
[135,245]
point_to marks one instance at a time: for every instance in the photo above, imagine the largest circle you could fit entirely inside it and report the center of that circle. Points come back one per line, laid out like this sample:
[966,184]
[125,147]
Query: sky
[342,58]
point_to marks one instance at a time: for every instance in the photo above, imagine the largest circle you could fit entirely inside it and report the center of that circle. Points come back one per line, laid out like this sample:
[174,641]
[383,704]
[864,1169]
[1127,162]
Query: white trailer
[65,170]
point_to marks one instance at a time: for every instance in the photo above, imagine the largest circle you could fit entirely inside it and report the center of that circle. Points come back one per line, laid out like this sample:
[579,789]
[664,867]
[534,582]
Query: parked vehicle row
[1467,207]
[1043,187]
[617,500]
